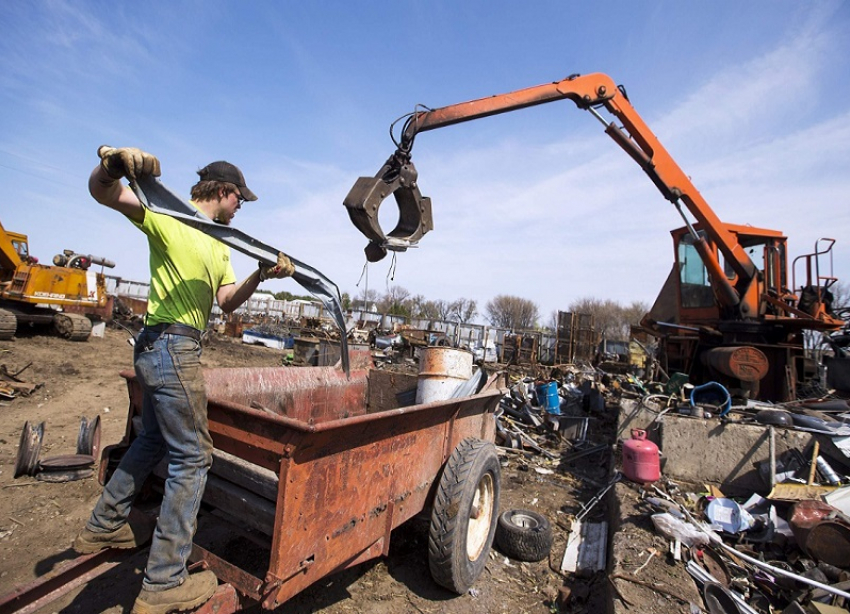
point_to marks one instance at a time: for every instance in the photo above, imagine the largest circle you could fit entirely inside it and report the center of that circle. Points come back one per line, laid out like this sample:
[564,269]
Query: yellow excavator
[65,294]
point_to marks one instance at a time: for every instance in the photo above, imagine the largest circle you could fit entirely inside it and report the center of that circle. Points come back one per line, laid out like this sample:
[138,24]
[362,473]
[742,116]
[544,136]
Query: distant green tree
[423,308]
[288,296]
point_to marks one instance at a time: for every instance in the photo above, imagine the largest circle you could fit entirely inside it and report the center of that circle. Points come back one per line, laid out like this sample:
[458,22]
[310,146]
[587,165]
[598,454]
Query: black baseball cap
[229,173]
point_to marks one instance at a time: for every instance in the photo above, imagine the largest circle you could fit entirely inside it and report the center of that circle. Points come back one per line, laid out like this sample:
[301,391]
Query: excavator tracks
[8,324]
[72,326]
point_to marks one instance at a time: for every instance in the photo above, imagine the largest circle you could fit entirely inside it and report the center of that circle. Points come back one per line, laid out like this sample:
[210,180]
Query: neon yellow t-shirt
[187,269]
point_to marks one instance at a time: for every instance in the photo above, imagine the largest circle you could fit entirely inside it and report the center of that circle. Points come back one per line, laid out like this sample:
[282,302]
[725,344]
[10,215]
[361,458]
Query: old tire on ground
[463,520]
[524,535]
[8,324]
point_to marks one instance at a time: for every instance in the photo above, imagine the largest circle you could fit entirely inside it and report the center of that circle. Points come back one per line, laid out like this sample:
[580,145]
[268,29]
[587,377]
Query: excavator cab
[19,242]
[696,299]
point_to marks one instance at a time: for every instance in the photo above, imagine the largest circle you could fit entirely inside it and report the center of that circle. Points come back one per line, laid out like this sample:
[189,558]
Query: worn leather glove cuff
[129,162]
[264,268]
[111,164]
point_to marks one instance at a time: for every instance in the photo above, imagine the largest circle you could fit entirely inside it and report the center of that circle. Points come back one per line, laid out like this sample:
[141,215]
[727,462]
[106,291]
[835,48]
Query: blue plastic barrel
[547,396]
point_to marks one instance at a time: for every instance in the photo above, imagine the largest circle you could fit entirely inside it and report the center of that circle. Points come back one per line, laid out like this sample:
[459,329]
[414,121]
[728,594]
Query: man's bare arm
[108,191]
[231,296]
[115,163]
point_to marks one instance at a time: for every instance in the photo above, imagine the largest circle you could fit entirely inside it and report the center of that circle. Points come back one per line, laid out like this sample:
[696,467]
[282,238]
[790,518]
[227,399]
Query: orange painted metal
[634,137]
[748,364]
[743,298]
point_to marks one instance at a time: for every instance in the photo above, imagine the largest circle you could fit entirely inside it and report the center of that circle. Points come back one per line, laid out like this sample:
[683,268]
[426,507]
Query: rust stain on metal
[378,511]
[345,528]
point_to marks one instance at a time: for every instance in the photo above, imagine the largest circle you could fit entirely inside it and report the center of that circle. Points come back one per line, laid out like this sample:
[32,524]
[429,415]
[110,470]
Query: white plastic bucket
[441,371]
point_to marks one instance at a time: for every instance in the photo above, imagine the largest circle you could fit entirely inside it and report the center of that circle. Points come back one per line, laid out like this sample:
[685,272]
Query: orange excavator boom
[589,92]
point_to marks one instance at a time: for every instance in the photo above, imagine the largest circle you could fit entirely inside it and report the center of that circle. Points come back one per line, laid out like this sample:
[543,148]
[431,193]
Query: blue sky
[750,98]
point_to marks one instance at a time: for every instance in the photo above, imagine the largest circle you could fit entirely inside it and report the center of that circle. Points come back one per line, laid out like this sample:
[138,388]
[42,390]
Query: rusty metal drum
[745,363]
[441,371]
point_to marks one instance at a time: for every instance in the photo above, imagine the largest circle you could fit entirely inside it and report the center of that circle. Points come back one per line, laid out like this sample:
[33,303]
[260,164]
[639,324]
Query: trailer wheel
[463,521]
[524,535]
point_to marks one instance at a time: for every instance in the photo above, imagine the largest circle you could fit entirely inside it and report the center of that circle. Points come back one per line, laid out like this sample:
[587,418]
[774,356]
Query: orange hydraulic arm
[589,92]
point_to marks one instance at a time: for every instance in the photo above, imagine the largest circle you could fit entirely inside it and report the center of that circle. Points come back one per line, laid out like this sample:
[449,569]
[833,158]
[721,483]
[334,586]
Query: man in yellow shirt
[189,270]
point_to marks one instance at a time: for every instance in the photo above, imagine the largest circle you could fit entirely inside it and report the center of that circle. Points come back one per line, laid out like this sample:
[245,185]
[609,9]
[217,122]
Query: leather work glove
[127,162]
[283,268]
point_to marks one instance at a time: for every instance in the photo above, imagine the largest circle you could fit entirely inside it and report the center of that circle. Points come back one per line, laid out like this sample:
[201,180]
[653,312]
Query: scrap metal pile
[782,547]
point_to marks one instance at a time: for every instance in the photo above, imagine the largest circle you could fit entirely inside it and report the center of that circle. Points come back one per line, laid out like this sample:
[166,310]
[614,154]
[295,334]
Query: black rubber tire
[463,519]
[524,535]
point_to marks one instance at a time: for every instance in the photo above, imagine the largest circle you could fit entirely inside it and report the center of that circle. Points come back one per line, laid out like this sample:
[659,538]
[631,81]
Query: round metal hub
[480,517]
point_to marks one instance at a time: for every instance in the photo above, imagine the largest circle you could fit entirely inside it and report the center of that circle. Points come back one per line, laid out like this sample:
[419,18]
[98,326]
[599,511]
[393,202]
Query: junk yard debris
[701,465]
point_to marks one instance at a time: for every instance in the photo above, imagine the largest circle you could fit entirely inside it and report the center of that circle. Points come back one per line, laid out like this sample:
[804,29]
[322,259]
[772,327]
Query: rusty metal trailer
[319,468]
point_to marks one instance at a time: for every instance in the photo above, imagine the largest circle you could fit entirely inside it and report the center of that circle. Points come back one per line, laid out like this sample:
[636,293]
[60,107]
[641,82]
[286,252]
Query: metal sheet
[154,195]
[586,547]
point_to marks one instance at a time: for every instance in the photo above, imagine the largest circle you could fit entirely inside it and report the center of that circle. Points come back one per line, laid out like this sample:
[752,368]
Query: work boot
[195,591]
[125,536]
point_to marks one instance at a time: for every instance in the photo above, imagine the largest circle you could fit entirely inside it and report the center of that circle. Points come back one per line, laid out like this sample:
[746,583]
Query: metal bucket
[441,371]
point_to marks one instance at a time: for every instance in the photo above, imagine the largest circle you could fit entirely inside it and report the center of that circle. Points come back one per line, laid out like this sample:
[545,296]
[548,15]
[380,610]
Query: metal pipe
[782,572]
[703,576]
[772,451]
[101,261]
[715,538]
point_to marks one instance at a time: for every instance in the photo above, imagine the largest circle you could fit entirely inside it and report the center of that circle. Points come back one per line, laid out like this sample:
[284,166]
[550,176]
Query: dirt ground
[38,520]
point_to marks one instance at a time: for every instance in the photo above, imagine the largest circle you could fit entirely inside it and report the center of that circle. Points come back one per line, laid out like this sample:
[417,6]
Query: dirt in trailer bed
[39,519]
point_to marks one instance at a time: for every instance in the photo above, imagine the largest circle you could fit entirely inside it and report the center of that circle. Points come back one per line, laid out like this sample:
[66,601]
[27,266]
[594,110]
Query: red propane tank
[641,463]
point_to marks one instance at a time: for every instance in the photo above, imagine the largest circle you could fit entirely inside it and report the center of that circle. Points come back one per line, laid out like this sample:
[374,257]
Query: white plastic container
[98,329]
[441,371]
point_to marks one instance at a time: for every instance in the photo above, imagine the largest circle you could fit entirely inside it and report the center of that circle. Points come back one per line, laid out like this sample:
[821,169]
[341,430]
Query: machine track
[72,326]
[8,324]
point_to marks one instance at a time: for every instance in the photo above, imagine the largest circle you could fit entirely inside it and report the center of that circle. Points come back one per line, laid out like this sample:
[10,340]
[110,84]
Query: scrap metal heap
[758,517]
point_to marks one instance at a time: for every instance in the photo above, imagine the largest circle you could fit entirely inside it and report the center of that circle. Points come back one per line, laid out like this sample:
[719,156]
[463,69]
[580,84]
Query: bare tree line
[503,311]
[610,318]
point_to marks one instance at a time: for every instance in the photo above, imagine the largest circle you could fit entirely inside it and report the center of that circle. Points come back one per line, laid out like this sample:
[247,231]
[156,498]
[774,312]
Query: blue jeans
[174,418]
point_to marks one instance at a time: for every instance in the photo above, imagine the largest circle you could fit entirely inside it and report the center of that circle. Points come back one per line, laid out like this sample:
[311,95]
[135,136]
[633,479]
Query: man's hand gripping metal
[128,162]
[283,268]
